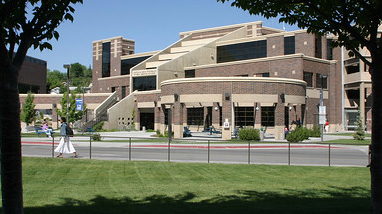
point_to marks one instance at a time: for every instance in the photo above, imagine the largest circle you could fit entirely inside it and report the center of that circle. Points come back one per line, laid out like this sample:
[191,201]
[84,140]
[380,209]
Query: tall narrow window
[329,49]
[318,47]
[308,78]
[106,59]
[289,45]
[268,116]
[321,81]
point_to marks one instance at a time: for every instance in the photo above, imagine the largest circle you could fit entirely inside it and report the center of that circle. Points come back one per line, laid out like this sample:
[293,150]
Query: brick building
[243,75]
[32,76]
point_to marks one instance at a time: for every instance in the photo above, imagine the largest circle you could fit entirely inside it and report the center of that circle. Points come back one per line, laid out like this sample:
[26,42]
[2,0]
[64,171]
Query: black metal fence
[213,151]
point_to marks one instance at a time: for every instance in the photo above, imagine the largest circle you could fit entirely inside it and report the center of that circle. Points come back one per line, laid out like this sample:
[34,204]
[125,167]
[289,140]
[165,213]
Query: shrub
[315,132]
[98,126]
[298,135]
[359,133]
[249,134]
[96,137]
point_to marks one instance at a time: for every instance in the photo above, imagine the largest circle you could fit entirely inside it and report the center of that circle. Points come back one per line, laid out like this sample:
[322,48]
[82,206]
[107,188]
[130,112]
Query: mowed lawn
[94,186]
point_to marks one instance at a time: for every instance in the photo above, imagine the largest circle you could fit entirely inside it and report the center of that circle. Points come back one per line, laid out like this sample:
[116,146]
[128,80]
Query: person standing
[65,146]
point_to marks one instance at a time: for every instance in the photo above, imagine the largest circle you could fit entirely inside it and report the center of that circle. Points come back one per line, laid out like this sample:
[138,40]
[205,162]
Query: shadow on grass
[336,200]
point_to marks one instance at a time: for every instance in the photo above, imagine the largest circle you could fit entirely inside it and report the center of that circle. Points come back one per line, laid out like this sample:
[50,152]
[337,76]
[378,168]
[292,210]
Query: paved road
[267,153]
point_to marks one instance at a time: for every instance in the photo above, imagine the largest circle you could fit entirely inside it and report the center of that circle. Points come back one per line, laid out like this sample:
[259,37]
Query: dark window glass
[308,78]
[329,49]
[195,116]
[106,59]
[244,116]
[352,69]
[190,73]
[25,88]
[289,45]
[265,74]
[144,83]
[318,47]
[112,89]
[242,51]
[123,91]
[267,116]
[320,80]
[127,64]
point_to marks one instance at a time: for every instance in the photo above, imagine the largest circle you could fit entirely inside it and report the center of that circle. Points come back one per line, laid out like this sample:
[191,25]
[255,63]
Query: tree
[359,133]
[28,114]
[55,79]
[355,23]
[24,23]
[74,115]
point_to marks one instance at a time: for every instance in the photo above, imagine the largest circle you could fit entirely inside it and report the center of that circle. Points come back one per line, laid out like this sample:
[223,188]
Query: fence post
[90,149]
[130,149]
[208,155]
[168,150]
[249,152]
[288,154]
[329,154]
[52,147]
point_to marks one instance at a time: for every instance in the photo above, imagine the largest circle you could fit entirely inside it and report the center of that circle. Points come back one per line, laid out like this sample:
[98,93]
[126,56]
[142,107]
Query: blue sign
[79,105]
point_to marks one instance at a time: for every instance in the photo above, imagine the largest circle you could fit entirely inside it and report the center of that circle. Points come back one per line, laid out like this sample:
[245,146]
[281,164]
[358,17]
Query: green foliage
[359,133]
[96,137]
[74,115]
[28,114]
[298,135]
[98,126]
[80,76]
[249,134]
[165,134]
[55,79]
[315,132]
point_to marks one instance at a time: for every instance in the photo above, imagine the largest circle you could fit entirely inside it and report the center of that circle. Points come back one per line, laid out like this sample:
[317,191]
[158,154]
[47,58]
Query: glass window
[318,47]
[242,51]
[320,80]
[329,49]
[265,74]
[127,64]
[308,78]
[144,83]
[106,59]
[268,116]
[289,45]
[195,116]
[244,116]
[190,73]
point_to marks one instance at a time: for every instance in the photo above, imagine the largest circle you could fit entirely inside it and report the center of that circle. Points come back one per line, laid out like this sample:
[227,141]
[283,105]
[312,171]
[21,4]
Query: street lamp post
[322,110]
[67,66]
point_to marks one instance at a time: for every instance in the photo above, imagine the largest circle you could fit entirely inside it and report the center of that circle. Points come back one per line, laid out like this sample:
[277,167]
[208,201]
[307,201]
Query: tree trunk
[376,139]
[10,140]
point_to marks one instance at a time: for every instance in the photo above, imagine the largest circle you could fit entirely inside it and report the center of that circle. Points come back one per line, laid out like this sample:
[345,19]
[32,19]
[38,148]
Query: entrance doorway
[147,120]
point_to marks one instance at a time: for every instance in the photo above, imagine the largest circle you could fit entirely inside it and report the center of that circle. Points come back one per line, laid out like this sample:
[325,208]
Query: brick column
[177,116]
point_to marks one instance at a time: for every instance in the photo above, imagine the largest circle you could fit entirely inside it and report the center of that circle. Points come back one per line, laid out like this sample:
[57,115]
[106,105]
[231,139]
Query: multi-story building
[243,75]
[32,76]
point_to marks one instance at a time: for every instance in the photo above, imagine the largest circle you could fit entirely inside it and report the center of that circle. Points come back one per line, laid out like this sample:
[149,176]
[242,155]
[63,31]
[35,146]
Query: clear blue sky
[153,24]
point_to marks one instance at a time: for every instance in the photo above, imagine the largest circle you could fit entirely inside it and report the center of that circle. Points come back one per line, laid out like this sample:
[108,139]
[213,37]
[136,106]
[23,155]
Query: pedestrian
[327,126]
[45,128]
[65,145]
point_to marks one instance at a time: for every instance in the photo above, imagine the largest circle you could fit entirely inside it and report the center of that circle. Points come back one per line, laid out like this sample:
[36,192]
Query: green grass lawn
[93,186]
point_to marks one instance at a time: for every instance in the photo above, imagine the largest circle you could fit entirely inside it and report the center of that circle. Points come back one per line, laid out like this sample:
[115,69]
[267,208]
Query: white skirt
[65,147]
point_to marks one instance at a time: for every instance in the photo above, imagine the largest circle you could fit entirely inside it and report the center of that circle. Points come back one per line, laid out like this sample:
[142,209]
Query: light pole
[67,66]
[322,110]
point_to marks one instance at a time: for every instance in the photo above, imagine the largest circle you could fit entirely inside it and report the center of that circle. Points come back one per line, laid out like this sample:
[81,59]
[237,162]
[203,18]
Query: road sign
[322,115]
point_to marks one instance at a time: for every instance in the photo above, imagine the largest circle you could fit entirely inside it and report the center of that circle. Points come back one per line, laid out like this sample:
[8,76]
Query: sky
[153,24]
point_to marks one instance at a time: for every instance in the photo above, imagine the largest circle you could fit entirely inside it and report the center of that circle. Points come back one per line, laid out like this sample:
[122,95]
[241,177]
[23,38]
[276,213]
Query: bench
[90,129]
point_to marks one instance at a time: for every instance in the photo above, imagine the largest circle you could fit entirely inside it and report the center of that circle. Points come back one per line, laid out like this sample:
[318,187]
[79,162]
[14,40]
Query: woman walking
[65,145]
